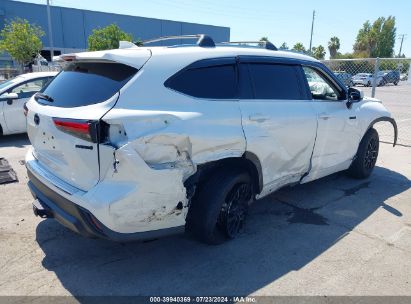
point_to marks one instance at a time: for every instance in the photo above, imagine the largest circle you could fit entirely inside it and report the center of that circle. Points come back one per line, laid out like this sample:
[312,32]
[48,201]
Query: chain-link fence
[7,73]
[46,68]
[387,79]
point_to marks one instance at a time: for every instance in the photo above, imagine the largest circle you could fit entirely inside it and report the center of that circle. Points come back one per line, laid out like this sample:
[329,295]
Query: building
[71,27]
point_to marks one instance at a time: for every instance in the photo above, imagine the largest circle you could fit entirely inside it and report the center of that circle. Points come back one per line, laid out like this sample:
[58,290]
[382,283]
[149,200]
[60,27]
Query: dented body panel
[339,136]
[155,139]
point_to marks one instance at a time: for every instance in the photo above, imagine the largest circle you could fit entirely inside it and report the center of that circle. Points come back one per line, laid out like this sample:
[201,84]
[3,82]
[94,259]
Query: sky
[281,21]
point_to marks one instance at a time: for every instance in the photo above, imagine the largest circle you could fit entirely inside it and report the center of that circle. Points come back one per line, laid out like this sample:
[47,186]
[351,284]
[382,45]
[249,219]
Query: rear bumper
[50,204]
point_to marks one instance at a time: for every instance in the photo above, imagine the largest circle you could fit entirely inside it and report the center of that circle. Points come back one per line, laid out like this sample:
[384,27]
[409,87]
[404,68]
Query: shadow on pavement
[18,140]
[285,232]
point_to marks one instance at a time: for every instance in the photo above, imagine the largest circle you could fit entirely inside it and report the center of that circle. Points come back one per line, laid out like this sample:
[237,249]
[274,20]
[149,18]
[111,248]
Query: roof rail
[267,44]
[202,39]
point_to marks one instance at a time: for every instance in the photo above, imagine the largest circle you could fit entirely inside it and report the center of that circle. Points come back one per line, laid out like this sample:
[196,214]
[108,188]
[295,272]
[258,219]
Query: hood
[370,99]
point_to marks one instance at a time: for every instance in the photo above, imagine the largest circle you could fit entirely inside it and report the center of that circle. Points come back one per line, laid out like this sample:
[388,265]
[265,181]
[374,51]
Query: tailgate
[63,121]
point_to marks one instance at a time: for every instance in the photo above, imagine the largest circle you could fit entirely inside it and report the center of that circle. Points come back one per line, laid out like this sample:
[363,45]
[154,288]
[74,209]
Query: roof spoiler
[126,44]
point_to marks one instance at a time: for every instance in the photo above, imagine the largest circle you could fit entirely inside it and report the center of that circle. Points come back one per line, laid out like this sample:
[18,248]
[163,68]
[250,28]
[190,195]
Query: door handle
[324,116]
[258,117]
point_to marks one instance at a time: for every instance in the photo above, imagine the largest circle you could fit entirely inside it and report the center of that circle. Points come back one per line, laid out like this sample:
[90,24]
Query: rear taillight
[25,109]
[84,129]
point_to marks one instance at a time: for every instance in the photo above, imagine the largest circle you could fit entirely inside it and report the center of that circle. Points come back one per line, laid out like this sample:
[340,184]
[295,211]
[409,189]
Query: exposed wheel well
[249,162]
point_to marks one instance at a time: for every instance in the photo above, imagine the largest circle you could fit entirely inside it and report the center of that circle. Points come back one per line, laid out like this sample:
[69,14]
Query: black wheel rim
[233,212]
[371,154]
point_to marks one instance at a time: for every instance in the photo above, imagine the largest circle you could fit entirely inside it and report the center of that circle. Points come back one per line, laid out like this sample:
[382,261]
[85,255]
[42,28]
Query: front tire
[219,211]
[366,157]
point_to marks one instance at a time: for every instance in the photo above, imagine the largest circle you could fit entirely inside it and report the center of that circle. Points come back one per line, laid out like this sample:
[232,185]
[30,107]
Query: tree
[108,38]
[21,40]
[318,52]
[376,40]
[334,46]
[284,46]
[263,39]
[299,47]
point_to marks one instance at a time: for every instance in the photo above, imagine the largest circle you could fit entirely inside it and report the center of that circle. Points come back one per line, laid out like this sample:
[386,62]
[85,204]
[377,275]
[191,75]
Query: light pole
[50,31]
[402,37]
[312,30]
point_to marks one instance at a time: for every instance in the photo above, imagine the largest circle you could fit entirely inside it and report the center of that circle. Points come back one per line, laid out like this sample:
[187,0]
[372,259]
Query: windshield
[9,82]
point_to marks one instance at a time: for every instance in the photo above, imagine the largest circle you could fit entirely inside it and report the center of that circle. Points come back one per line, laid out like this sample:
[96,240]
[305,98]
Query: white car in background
[366,79]
[140,142]
[14,93]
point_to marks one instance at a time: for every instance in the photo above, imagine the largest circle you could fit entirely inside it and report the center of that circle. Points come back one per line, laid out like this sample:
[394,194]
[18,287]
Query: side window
[29,88]
[275,81]
[320,87]
[213,82]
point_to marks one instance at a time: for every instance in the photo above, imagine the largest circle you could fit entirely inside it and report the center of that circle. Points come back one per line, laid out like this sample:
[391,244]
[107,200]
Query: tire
[219,211]
[396,83]
[366,156]
[368,84]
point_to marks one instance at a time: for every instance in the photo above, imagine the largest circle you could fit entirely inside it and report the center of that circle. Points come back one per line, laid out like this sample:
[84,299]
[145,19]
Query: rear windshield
[86,83]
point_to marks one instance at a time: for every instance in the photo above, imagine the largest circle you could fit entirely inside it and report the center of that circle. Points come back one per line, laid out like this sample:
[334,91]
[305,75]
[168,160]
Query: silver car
[366,79]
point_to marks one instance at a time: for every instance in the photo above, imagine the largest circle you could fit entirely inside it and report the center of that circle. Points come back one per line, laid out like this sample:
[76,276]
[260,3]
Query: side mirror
[9,96]
[354,95]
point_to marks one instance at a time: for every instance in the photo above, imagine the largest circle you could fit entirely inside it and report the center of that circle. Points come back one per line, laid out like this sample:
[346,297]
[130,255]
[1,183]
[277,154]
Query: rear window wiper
[43,96]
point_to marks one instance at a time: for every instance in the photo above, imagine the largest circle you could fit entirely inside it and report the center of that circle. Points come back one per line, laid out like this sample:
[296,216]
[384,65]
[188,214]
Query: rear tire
[366,156]
[219,211]
[368,84]
[396,83]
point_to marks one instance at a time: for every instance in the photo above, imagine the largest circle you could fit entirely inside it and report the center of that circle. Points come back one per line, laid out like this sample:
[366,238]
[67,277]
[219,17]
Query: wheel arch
[248,161]
[390,120]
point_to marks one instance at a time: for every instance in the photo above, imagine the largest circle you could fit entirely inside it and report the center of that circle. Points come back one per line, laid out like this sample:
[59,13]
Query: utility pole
[402,37]
[312,30]
[50,31]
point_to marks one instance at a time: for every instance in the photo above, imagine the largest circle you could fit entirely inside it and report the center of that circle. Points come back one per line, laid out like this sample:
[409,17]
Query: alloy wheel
[233,212]
[371,154]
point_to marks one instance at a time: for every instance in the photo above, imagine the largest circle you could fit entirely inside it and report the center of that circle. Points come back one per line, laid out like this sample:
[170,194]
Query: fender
[390,120]
[254,159]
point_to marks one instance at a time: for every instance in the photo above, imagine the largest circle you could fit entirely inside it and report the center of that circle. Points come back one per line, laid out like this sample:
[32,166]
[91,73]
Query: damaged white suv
[140,142]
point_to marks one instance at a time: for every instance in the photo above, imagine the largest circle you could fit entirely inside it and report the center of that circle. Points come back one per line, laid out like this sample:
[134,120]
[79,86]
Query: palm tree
[319,52]
[299,47]
[333,46]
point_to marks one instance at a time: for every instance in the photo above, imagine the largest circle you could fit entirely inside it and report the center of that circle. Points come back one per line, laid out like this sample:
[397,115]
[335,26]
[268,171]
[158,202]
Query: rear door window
[211,79]
[275,81]
[87,83]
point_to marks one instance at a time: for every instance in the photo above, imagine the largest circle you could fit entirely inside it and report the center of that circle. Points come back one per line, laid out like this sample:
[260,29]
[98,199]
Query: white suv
[140,142]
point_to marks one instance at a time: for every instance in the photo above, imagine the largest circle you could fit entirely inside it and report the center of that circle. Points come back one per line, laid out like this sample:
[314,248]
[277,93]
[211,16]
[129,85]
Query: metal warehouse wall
[71,27]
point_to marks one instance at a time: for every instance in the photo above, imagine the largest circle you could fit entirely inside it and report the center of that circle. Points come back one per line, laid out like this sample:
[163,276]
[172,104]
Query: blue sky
[282,21]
